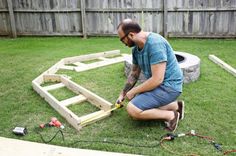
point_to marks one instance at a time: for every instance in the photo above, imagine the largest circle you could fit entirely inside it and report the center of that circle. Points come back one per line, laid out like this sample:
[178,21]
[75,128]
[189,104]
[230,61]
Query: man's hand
[130,94]
[120,99]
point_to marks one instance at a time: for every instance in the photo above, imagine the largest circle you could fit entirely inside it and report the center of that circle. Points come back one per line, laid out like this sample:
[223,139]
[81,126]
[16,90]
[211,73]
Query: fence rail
[171,18]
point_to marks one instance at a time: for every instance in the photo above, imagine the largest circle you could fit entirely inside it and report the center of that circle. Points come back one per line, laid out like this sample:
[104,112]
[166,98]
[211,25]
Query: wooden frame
[223,64]
[83,94]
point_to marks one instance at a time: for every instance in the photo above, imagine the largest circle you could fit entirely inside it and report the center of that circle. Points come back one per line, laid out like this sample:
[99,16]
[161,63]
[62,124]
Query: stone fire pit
[190,65]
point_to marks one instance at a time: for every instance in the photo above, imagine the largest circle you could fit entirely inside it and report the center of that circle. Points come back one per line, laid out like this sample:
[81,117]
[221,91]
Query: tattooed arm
[131,81]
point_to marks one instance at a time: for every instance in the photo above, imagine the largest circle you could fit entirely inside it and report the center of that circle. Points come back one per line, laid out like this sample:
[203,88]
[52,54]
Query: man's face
[124,38]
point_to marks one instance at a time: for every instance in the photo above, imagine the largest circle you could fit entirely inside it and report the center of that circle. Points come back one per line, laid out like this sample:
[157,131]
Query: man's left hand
[130,94]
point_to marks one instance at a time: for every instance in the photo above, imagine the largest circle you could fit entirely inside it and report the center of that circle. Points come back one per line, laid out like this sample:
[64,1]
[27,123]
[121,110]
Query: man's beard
[130,43]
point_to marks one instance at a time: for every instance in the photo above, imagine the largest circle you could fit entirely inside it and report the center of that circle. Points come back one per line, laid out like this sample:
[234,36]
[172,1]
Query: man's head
[126,31]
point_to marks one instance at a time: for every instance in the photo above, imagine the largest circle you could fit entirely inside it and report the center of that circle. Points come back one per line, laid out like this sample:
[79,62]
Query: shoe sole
[177,122]
[182,115]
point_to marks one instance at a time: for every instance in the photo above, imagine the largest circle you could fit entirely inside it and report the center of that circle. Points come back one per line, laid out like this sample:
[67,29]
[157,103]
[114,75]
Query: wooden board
[223,64]
[71,60]
[54,86]
[99,64]
[73,100]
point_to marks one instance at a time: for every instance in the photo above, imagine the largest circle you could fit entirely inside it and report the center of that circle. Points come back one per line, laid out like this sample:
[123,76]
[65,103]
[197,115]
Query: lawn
[210,101]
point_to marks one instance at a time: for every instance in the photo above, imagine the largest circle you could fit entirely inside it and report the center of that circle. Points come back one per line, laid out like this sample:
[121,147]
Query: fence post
[165,18]
[12,18]
[83,18]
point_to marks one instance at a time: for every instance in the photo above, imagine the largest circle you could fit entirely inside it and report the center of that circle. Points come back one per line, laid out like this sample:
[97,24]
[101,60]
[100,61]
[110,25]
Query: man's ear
[131,35]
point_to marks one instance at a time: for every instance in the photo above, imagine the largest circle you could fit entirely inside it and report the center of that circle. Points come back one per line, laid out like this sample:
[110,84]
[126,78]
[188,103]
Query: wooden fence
[171,18]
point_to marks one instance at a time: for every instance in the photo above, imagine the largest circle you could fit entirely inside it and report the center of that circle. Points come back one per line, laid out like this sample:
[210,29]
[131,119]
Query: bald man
[156,98]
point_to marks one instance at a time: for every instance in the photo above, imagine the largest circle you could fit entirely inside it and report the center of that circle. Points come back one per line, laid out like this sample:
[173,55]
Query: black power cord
[92,141]
[114,142]
[53,137]
[167,137]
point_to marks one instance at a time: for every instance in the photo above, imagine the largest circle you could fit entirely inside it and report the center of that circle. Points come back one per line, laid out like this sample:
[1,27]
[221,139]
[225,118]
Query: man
[155,99]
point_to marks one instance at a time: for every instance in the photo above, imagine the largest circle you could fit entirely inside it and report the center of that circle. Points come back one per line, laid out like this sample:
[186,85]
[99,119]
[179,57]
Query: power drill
[53,123]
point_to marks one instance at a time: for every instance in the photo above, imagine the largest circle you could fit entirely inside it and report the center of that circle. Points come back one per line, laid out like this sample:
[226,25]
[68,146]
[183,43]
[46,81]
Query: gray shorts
[155,98]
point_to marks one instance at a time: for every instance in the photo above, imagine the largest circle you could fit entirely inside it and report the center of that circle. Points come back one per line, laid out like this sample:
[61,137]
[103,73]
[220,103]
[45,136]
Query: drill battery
[20,131]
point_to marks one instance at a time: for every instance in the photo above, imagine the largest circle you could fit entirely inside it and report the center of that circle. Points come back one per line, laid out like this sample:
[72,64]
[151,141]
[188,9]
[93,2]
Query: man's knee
[133,111]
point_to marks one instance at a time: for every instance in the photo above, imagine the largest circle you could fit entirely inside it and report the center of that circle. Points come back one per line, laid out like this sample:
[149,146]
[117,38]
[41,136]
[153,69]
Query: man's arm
[131,81]
[158,73]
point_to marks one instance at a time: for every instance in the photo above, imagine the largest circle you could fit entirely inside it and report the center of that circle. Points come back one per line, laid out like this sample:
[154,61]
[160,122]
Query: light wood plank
[67,67]
[88,57]
[99,64]
[223,64]
[51,70]
[103,58]
[93,117]
[100,115]
[80,64]
[73,100]
[54,86]
[51,78]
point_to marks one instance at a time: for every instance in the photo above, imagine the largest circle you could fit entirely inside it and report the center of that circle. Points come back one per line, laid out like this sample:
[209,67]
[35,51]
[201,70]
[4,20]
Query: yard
[210,101]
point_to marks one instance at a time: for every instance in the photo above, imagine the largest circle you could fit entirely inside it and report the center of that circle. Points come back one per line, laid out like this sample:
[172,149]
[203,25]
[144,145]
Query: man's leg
[175,106]
[172,106]
[171,117]
[150,114]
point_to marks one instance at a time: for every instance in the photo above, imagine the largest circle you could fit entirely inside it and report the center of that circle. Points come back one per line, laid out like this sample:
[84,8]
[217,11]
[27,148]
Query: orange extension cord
[170,137]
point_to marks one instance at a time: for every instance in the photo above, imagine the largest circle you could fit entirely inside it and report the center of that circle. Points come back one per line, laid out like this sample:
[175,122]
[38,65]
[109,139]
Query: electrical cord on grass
[92,141]
[167,137]
[114,142]
[53,137]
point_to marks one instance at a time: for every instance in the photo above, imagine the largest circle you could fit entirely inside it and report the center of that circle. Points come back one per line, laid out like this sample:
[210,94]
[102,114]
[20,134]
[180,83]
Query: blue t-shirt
[157,50]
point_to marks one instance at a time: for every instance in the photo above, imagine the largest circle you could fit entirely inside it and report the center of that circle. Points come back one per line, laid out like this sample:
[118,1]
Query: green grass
[210,101]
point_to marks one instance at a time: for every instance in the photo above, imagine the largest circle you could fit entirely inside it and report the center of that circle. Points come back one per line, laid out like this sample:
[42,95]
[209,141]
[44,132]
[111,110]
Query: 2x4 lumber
[67,67]
[93,117]
[51,70]
[80,64]
[54,86]
[91,97]
[71,60]
[73,100]
[54,77]
[98,116]
[100,64]
[64,111]
[223,64]
[103,58]
[51,78]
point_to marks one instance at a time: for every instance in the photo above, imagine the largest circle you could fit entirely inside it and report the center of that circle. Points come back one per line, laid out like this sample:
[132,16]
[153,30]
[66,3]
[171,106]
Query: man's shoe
[173,124]
[181,109]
